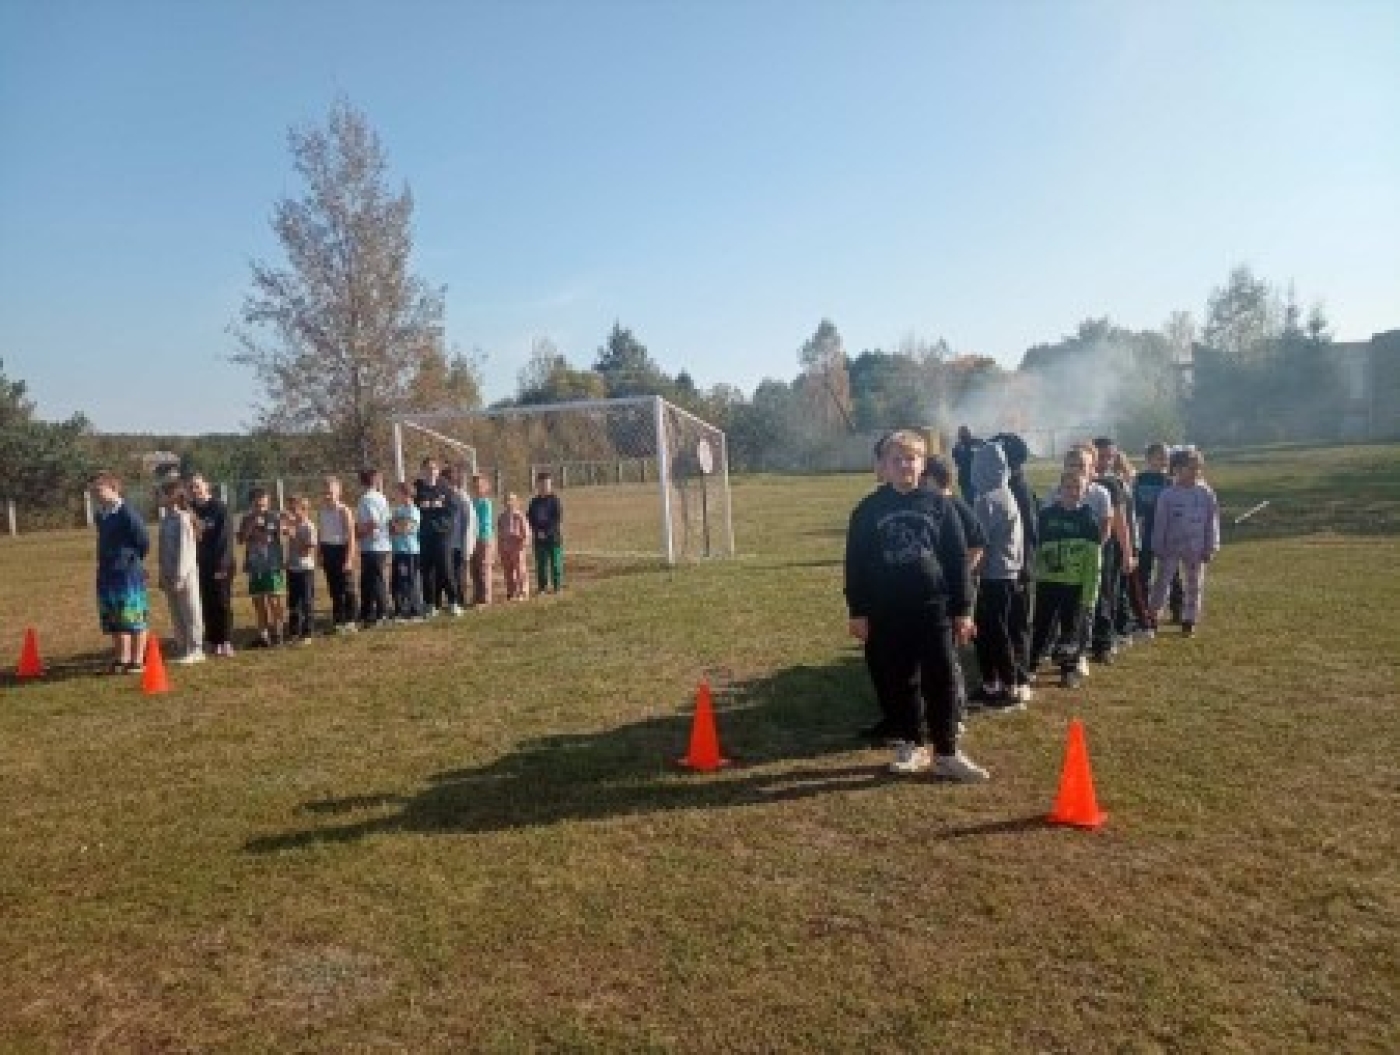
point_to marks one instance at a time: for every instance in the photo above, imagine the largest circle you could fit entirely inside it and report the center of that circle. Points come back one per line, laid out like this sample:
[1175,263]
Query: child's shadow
[800,713]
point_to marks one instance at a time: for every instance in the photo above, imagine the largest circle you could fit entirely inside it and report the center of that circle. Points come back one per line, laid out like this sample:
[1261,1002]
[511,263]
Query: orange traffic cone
[30,665]
[153,679]
[1076,804]
[704,756]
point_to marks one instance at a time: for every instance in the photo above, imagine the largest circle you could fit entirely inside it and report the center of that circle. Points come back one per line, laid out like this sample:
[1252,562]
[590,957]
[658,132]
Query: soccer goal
[639,477]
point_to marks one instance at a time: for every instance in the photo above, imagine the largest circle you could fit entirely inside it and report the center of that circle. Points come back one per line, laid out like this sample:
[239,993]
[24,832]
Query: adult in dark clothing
[962,454]
[215,556]
[908,593]
[436,500]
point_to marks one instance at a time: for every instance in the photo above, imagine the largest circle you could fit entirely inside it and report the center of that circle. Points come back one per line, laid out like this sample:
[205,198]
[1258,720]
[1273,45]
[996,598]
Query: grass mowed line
[469,836]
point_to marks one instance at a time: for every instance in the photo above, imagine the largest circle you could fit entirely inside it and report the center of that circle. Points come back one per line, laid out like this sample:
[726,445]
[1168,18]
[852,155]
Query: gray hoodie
[996,510]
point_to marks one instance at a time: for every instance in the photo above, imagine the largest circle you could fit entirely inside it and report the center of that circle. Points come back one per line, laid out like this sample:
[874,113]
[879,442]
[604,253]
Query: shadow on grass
[82,665]
[803,713]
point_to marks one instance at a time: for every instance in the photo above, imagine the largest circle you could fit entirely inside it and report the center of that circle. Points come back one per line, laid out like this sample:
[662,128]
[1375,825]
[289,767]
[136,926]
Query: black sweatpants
[335,562]
[435,562]
[374,594]
[1106,611]
[911,662]
[1059,613]
[216,603]
[994,616]
[301,602]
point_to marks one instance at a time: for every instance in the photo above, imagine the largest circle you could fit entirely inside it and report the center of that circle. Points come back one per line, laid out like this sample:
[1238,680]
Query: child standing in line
[908,595]
[1066,576]
[464,528]
[335,525]
[179,573]
[1005,686]
[1185,532]
[261,531]
[514,532]
[546,517]
[301,572]
[1147,487]
[938,478]
[122,605]
[484,554]
[404,571]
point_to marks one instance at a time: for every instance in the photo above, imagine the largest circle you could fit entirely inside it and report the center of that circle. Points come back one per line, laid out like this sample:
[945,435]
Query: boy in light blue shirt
[404,572]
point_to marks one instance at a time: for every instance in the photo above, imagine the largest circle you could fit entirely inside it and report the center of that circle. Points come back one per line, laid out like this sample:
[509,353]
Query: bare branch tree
[337,337]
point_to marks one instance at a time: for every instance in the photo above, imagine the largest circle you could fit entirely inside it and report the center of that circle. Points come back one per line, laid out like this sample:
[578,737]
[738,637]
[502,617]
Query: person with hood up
[1000,607]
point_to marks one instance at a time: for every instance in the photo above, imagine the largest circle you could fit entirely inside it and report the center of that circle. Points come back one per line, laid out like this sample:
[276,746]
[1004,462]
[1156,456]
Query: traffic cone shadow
[1076,803]
[704,756]
[153,679]
[30,665]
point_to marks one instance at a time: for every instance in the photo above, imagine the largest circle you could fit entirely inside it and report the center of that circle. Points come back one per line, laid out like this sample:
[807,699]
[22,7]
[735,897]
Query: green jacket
[1070,553]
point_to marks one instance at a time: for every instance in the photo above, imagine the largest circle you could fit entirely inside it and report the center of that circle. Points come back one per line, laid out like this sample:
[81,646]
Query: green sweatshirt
[1069,551]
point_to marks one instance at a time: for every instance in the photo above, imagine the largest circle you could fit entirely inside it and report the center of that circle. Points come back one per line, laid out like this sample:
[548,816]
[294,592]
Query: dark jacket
[214,546]
[122,543]
[546,516]
[906,558]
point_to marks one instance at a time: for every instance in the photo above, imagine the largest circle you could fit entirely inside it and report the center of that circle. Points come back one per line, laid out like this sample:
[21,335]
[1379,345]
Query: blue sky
[718,176]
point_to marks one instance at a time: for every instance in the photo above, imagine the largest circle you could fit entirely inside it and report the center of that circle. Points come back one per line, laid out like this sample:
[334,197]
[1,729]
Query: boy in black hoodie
[908,593]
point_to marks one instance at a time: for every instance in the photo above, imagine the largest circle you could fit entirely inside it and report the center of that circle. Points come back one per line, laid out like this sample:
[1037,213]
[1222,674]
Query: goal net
[639,478]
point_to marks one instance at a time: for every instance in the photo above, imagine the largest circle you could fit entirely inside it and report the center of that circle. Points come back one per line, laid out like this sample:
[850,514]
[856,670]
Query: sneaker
[1071,679]
[457,609]
[909,759]
[1005,703]
[262,642]
[1188,629]
[1022,694]
[430,612]
[960,768]
[1082,667]
[1104,656]
[189,659]
[136,668]
[1145,634]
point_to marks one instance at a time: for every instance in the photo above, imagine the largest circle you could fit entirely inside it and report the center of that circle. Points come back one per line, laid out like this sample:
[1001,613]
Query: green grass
[470,835]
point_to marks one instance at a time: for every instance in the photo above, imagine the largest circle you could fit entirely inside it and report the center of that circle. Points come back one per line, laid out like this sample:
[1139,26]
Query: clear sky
[717,175]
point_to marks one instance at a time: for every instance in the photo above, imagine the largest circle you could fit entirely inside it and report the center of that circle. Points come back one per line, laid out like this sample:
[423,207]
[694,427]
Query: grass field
[470,836]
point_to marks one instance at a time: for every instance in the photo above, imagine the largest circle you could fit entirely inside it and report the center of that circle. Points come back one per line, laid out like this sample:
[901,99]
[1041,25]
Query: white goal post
[639,477]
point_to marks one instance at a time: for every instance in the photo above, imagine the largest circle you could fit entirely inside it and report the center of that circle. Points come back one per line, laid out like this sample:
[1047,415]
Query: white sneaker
[456,609]
[190,659]
[909,759]
[961,768]
[1083,666]
[429,613]
[1022,694]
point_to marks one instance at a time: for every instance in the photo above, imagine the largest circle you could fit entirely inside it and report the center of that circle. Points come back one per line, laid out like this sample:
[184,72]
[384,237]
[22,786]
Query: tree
[825,380]
[338,337]
[441,380]
[43,464]
[548,378]
[1243,316]
[626,367]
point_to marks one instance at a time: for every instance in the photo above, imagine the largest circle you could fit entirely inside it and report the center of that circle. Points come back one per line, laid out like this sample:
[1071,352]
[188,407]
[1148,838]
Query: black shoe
[1002,702]
[1071,679]
[1104,656]
[1188,629]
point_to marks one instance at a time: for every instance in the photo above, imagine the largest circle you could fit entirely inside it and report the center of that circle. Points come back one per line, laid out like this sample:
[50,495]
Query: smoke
[1126,388]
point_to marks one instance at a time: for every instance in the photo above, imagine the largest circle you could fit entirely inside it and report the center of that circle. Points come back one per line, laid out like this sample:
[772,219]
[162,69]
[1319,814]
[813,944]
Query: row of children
[927,570]
[437,543]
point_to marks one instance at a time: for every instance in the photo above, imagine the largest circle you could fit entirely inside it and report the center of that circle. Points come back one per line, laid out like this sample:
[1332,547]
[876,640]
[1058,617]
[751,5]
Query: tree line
[341,335]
